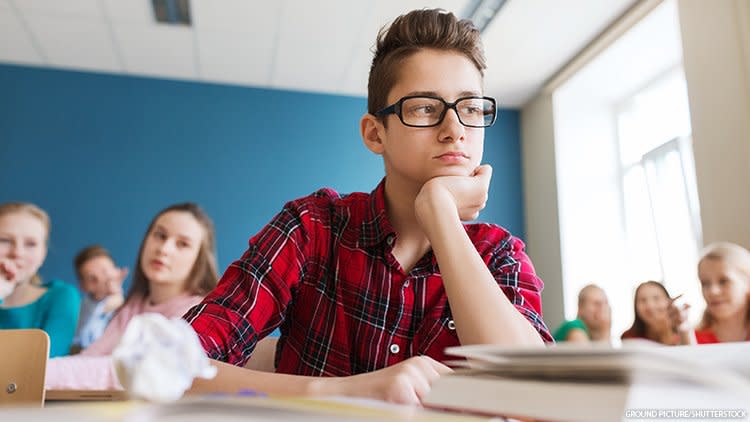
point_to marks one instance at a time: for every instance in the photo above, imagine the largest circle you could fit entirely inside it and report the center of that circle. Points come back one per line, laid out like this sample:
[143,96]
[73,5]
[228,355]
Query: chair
[23,361]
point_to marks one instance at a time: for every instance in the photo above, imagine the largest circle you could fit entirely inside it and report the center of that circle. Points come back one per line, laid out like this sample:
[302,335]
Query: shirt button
[451,325]
[406,283]
[389,240]
[395,349]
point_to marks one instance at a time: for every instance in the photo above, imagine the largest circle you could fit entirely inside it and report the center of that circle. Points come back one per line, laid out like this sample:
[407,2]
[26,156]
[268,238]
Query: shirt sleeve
[106,343]
[252,296]
[61,319]
[514,273]
[81,373]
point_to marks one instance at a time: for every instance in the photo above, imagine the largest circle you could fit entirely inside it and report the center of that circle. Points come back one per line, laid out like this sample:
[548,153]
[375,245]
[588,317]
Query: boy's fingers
[439,367]
[485,171]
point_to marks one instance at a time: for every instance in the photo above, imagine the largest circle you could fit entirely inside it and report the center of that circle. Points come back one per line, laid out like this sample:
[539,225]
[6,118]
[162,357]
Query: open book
[597,382]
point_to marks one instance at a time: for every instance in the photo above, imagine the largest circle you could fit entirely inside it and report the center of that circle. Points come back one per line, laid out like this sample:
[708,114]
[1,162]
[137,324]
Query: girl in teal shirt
[25,302]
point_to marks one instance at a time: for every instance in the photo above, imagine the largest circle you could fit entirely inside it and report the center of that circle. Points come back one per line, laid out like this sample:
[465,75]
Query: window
[661,211]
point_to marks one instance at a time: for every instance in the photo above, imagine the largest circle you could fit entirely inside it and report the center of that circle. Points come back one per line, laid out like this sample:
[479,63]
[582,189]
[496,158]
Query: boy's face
[96,274]
[417,154]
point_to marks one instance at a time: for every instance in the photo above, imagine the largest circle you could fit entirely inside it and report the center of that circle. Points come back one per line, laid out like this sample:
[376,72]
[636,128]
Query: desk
[231,409]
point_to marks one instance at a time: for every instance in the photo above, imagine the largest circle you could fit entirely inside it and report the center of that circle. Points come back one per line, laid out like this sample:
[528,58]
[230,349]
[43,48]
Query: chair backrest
[23,362]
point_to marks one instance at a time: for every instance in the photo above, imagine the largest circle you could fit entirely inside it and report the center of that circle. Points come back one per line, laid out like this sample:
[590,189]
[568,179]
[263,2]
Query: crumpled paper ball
[158,358]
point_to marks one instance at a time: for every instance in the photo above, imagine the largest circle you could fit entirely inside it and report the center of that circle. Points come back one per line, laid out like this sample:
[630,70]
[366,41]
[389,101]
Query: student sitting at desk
[26,302]
[594,319]
[176,266]
[101,283]
[724,272]
[657,318]
[368,289]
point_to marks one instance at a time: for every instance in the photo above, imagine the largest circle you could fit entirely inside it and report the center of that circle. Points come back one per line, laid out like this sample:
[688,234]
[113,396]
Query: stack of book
[598,382]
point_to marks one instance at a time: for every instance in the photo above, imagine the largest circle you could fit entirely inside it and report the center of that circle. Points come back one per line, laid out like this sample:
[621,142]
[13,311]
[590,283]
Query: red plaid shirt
[323,272]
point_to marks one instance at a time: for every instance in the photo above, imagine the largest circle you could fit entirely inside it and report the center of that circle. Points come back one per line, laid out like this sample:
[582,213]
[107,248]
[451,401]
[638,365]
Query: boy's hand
[467,195]
[114,285]
[407,382]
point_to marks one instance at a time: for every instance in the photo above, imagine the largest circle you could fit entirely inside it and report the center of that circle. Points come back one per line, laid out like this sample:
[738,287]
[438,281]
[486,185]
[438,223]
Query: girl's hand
[8,274]
[8,270]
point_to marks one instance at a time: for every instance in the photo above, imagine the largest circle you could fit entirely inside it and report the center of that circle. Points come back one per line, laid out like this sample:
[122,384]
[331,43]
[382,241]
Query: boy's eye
[424,109]
[30,244]
[471,110]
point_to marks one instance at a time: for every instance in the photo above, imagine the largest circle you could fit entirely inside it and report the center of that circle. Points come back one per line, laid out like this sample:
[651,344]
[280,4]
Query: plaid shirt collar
[376,230]
[375,227]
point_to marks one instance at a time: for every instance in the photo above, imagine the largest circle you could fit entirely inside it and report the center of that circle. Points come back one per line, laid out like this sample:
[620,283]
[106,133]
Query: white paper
[157,358]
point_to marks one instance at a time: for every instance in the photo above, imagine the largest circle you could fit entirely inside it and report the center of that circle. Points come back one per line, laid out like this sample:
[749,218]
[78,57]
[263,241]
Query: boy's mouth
[453,157]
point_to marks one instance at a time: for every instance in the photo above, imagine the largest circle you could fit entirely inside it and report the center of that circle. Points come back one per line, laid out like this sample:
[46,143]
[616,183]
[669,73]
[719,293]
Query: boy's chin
[452,171]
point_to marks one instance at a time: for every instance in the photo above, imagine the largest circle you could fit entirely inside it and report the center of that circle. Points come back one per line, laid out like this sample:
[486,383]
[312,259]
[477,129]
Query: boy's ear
[372,131]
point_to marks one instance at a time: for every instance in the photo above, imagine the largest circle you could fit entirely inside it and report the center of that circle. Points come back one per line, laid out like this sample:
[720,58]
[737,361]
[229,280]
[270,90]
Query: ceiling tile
[528,41]
[17,46]
[74,42]
[122,11]
[316,54]
[235,15]
[156,50]
[236,57]
[80,8]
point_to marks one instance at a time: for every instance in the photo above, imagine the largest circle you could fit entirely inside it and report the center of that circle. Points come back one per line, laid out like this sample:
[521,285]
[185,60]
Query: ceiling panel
[314,50]
[75,42]
[528,41]
[235,15]
[156,50]
[16,45]
[133,11]
[80,8]
[236,57]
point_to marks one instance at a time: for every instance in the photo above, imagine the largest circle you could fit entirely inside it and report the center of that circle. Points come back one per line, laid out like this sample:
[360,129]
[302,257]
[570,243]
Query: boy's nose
[451,129]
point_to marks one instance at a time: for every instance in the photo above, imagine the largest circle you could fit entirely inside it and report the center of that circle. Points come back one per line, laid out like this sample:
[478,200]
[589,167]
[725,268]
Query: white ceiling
[318,46]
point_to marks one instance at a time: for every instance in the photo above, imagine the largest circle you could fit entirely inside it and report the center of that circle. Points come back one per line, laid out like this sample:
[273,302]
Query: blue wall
[103,153]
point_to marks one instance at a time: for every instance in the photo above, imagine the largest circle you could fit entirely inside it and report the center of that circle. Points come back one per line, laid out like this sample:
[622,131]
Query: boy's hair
[427,28]
[203,276]
[584,293]
[34,211]
[88,253]
[733,255]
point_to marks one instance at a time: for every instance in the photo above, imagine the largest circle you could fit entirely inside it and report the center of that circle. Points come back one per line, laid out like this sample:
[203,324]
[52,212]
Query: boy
[101,283]
[593,321]
[353,281]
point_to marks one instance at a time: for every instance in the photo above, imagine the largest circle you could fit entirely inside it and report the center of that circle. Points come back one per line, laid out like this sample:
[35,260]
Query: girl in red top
[724,272]
[657,318]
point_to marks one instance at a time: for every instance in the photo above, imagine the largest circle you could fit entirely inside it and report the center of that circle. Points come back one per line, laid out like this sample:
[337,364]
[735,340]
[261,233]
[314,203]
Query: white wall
[716,48]
[540,203]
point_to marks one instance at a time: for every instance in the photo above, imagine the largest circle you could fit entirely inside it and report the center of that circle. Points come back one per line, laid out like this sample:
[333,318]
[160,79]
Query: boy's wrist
[323,386]
[434,203]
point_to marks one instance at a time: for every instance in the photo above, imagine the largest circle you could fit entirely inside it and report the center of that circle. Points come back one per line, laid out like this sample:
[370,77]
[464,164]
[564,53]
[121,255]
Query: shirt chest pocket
[436,332]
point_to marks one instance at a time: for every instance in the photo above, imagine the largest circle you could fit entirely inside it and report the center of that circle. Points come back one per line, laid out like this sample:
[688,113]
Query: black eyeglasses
[426,111]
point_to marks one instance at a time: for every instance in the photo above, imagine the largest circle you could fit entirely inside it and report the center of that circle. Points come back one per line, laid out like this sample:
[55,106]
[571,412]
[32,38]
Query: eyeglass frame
[396,109]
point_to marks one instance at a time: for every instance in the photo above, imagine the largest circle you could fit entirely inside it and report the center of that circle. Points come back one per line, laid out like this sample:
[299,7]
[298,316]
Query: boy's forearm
[232,379]
[481,311]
